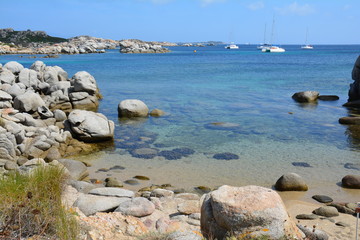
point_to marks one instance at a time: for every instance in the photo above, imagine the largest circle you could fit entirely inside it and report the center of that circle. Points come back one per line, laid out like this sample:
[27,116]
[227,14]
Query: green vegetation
[31,206]
[26,37]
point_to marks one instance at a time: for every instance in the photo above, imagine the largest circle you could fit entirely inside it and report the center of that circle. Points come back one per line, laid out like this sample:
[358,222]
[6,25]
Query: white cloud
[296,9]
[205,3]
[256,6]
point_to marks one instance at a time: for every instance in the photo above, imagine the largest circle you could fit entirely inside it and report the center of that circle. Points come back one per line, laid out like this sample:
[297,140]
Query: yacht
[232,46]
[274,49]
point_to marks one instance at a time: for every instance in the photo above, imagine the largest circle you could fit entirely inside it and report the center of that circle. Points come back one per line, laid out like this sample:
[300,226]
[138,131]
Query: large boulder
[132,108]
[306,97]
[84,82]
[28,102]
[250,211]
[90,127]
[14,67]
[291,182]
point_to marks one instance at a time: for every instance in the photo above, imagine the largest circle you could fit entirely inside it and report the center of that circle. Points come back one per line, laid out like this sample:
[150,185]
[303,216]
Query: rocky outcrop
[249,211]
[138,46]
[354,91]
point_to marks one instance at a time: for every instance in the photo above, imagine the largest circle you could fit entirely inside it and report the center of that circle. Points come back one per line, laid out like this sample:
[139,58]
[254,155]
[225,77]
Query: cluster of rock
[138,46]
[33,113]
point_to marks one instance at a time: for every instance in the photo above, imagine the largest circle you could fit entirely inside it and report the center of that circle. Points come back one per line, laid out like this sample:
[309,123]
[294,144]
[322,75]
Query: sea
[230,117]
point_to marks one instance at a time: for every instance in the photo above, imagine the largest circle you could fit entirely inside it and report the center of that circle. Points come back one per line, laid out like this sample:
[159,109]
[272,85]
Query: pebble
[307,216]
[131,182]
[322,198]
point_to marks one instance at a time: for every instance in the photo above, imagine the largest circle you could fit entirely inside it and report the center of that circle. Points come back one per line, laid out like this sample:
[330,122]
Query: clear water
[244,87]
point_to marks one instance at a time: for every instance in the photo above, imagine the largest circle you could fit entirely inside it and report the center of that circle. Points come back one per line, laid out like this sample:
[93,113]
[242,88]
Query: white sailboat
[232,46]
[307,46]
[271,48]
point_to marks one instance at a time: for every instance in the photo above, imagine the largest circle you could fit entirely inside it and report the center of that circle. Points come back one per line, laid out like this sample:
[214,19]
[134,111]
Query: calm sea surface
[248,90]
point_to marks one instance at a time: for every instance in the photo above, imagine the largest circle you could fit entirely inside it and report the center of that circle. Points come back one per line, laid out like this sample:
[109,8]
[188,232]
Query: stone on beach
[77,169]
[137,207]
[351,181]
[306,97]
[240,210]
[291,182]
[112,192]
[132,108]
[326,211]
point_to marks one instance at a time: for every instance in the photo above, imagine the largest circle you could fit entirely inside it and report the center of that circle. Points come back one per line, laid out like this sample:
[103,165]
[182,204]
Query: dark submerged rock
[328,98]
[301,164]
[350,120]
[226,156]
[170,155]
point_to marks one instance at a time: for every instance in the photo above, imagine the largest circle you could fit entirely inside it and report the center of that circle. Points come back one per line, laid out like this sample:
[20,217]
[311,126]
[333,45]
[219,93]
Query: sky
[240,21]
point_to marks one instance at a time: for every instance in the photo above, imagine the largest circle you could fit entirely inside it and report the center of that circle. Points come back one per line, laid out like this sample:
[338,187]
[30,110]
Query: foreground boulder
[251,211]
[291,182]
[132,108]
[306,97]
[91,127]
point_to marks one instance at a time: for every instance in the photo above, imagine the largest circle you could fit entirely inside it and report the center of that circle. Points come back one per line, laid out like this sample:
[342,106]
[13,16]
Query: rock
[112,182]
[16,90]
[137,207]
[187,196]
[354,91]
[326,211]
[84,82]
[6,76]
[240,210]
[143,178]
[291,182]
[91,204]
[112,192]
[300,164]
[159,193]
[187,235]
[44,112]
[170,155]
[146,153]
[306,97]
[188,207]
[132,108]
[77,169]
[91,127]
[328,98]
[343,209]
[81,186]
[312,233]
[225,156]
[111,226]
[29,78]
[7,148]
[10,165]
[342,224]
[14,67]
[157,113]
[59,115]
[307,216]
[39,67]
[28,102]
[4,96]
[322,198]
[351,206]
[132,182]
[351,181]
[350,120]
[138,46]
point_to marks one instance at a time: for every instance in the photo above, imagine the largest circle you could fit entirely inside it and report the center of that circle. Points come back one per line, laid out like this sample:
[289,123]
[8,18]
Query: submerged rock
[351,181]
[300,164]
[225,156]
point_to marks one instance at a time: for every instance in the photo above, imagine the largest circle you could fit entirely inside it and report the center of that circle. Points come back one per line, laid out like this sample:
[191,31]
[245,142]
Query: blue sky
[240,21]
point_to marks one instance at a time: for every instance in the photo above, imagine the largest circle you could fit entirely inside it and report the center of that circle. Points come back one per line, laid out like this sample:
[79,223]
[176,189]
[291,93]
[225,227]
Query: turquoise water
[247,88]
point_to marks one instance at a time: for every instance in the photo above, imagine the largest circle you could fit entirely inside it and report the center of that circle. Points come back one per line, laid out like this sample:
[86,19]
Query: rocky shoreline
[47,116]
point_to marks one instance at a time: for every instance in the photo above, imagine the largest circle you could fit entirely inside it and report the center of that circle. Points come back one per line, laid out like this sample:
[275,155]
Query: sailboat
[232,46]
[271,48]
[264,45]
[307,46]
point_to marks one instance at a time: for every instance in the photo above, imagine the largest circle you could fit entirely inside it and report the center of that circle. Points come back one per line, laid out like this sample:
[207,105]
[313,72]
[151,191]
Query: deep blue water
[244,87]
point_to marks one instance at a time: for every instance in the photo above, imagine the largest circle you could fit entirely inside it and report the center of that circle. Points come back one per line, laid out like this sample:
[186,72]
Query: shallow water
[251,90]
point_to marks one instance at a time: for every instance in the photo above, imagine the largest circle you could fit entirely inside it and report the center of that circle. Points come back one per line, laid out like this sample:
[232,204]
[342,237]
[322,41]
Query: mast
[265,35]
[307,31]
[272,30]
